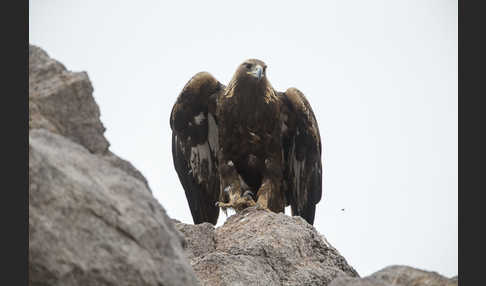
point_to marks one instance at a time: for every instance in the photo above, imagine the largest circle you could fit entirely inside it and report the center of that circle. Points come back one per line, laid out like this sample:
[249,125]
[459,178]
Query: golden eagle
[245,144]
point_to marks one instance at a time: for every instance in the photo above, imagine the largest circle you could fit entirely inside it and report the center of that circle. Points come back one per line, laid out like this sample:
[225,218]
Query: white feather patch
[284,127]
[198,119]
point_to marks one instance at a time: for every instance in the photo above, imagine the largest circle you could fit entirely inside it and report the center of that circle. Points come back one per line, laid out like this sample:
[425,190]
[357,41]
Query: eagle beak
[256,72]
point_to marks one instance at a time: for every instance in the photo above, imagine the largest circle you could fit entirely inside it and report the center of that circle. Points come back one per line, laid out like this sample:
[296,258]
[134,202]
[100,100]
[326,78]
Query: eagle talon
[240,204]
[247,201]
[222,205]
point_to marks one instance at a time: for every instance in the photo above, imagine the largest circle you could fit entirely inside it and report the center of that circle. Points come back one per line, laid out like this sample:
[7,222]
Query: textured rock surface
[125,166]
[62,102]
[91,224]
[92,218]
[256,247]
[397,276]
[199,239]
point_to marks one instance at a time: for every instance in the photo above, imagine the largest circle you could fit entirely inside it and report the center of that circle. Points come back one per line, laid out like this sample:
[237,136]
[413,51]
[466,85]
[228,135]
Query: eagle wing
[301,144]
[195,145]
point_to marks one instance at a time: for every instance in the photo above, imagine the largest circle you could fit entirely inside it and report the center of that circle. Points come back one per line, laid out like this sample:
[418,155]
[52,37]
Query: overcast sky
[381,77]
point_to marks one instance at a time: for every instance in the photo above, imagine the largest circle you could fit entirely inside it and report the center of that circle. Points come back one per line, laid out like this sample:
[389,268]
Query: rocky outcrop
[92,218]
[62,102]
[257,247]
[397,276]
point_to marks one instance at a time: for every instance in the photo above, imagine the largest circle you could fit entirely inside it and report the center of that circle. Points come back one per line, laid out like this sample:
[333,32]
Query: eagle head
[250,80]
[252,70]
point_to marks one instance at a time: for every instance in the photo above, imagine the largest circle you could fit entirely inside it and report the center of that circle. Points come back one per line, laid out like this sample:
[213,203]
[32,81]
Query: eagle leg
[231,196]
[269,195]
[263,195]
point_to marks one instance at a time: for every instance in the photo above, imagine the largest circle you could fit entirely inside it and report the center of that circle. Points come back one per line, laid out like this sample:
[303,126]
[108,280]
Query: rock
[350,281]
[91,224]
[199,239]
[62,102]
[397,276]
[125,166]
[256,247]
[92,217]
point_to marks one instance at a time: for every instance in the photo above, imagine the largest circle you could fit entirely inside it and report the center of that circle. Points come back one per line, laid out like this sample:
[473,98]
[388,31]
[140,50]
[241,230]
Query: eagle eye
[248,65]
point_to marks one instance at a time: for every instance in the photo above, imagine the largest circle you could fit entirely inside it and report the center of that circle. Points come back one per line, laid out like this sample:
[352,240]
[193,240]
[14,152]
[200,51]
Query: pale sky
[381,77]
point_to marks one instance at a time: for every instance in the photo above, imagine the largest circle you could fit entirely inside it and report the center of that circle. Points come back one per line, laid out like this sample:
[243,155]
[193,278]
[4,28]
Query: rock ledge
[256,247]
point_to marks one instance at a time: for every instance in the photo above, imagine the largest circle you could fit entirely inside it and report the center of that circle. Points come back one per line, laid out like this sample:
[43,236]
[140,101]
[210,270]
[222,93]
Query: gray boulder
[257,247]
[92,217]
[91,224]
[397,276]
[62,102]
